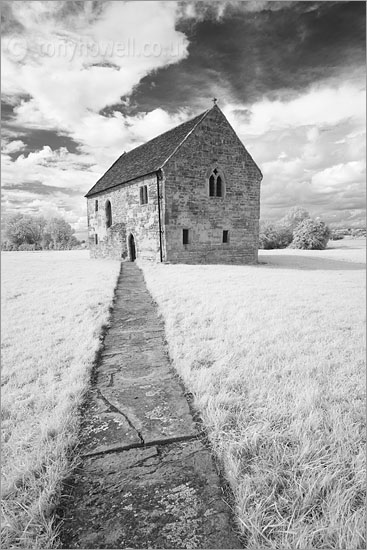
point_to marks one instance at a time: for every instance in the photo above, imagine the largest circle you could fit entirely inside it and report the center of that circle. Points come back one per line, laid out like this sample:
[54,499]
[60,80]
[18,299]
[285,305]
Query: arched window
[108,211]
[216,184]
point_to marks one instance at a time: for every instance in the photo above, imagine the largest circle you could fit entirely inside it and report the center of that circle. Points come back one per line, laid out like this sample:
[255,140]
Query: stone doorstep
[165,496]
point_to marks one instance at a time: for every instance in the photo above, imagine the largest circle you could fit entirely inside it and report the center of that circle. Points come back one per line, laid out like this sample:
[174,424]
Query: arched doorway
[132,249]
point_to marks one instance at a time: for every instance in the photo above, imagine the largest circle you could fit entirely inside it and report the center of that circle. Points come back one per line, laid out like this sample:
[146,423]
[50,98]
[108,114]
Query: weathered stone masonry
[128,217]
[183,160]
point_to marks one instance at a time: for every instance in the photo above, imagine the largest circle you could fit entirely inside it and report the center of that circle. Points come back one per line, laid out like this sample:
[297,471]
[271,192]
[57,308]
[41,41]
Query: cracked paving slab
[157,497]
[146,480]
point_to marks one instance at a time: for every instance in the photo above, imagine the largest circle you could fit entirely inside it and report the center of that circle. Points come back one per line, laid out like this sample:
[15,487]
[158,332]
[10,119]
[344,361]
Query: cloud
[13,146]
[322,105]
[71,74]
[92,79]
[310,148]
[63,63]
[338,175]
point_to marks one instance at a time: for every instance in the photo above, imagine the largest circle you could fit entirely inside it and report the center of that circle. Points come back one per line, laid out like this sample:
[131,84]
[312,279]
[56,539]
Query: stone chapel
[190,195]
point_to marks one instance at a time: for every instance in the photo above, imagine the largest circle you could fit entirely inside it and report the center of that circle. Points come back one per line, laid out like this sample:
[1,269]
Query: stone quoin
[190,195]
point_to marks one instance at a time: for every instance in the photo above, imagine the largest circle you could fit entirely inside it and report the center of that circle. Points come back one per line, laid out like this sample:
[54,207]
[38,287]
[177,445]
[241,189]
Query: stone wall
[128,217]
[187,203]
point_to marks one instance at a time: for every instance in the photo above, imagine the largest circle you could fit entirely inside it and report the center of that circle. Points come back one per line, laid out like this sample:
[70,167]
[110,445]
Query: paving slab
[146,478]
[104,428]
[158,411]
[157,497]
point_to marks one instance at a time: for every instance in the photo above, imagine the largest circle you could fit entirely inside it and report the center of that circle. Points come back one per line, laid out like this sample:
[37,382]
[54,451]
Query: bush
[336,236]
[8,246]
[27,247]
[274,236]
[311,235]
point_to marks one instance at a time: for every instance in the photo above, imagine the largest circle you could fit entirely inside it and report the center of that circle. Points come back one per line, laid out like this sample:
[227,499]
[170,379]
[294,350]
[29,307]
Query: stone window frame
[225,236]
[95,238]
[96,205]
[219,172]
[143,191]
[108,213]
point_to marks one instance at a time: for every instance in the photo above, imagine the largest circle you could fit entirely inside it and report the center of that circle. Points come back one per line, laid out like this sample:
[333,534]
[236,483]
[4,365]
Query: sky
[82,82]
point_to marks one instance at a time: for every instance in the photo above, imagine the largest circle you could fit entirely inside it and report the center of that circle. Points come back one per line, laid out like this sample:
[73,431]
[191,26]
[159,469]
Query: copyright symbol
[16,48]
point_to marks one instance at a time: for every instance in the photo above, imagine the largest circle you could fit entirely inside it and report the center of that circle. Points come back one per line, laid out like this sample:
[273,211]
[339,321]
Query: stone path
[146,479]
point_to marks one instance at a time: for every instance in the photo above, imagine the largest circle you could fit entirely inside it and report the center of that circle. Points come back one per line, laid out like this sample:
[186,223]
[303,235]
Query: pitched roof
[146,158]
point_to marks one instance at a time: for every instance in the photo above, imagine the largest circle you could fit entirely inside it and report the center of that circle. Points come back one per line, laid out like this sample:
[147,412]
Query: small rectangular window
[185,236]
[96,238]
[96,206]
[143,194]
[225,236]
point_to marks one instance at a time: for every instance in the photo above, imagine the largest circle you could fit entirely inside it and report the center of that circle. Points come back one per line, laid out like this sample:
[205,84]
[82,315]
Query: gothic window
[144,194]
[108,210]
[211,186]
[216,187]
[219,186]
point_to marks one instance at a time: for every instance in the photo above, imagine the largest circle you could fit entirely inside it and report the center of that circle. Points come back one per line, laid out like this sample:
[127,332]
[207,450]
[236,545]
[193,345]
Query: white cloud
[322,105]
[72,73]
[68,65]
[64,69]
[13,146]
[340,175]
[311,149]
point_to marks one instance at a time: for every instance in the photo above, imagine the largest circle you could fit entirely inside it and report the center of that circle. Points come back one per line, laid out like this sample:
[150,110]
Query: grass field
[274,356]
[54,305]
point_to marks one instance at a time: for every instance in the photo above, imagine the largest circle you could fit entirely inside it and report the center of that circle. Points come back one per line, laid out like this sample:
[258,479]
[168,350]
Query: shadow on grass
[314,264]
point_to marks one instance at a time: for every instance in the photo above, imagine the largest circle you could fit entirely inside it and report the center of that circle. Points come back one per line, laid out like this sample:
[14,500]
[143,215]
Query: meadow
[274,355]
[54,307]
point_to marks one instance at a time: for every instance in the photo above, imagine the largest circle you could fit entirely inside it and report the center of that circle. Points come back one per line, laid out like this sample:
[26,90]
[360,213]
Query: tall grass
[274,355]
[54,305]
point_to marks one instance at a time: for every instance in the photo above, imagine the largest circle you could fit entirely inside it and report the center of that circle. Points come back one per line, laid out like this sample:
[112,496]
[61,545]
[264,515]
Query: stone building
[190,195]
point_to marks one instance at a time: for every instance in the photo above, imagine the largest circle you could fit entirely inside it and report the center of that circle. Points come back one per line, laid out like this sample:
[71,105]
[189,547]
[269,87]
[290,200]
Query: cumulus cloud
[321,105]
[310,148]
[63,63]
[67,66]
[13,146]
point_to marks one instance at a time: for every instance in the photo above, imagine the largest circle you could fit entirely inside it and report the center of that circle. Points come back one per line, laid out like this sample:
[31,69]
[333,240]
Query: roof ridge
[163,133]
[187,135]
[148,157]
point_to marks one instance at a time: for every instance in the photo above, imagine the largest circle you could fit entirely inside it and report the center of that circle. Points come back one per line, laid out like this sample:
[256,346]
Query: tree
[24,229]
[311,235]
[294,217]
[25,232]
[60,234]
